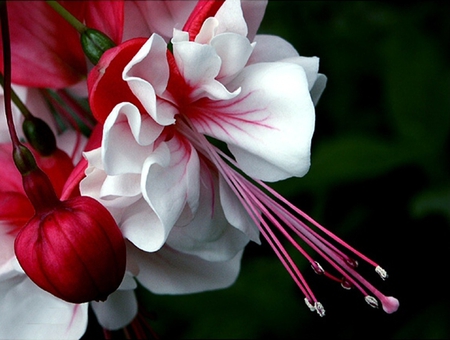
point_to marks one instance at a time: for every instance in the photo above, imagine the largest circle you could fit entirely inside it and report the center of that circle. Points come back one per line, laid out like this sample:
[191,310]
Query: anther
[319,309]
[317,268]
[371,301]
[346,284]
[310,305]
[380,271]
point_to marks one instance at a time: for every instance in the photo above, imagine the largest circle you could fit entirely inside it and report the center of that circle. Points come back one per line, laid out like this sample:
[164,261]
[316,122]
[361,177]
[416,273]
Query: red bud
[75,250]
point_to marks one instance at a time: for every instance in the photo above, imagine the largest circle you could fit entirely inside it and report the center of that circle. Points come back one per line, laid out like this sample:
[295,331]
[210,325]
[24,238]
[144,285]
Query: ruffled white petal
[141,225]
[209,235]
[234,51]
[97,184]
[170,180]
[170,272]
[199,65]
[147,75]
[124,130]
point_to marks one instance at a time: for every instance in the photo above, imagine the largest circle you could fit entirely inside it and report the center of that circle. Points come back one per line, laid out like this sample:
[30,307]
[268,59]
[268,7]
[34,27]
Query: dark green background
[379,178]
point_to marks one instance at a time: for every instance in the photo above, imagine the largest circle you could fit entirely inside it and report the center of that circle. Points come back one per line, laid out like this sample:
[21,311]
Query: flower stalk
[72,20]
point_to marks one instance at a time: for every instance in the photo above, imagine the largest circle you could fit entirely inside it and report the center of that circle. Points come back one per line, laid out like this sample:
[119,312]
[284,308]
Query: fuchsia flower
[195,111]
[170,189]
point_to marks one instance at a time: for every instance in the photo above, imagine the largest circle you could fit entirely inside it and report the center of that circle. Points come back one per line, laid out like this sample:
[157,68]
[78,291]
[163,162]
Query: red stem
[7,72]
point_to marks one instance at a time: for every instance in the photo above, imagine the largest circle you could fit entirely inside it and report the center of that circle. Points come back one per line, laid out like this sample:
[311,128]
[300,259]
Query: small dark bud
[24,160]
[95,43]
[39,135]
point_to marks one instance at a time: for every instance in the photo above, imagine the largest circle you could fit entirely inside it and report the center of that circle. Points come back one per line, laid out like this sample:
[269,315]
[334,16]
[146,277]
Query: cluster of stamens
[271,212]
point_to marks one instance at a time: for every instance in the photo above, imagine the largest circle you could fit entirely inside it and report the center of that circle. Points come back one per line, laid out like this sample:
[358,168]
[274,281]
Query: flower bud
[24,160]
[39,135]
[95,43]
[74,251]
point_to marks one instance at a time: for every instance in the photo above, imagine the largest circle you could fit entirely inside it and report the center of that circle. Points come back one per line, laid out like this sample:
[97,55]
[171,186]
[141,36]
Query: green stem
[16,100]
[79,26]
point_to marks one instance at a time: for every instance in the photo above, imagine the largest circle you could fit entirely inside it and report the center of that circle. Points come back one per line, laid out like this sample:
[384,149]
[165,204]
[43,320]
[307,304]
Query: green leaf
[435,200]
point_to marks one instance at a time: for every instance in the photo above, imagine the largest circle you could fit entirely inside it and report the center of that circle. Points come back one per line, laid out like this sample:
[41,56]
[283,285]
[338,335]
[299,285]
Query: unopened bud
[95,43]
[39,135]
[75,251]
[24,160]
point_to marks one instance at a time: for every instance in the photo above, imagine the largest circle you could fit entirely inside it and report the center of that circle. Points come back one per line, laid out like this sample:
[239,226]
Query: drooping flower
[160,192]
[158,163]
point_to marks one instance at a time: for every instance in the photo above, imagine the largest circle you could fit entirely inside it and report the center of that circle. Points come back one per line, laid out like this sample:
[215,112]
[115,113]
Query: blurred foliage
[379,178]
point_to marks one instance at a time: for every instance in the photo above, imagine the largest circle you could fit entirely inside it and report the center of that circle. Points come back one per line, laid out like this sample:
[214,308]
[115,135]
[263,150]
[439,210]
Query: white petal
[231,18]
[142,227]
[170,180]
[127,185]
[234,51]
[128,282]
[271,48]
[207,32]
[170,272]
[97,185]
[199,65]
[124,130]
[235,212]
[208,235]
[147,75]
[119,309]
[309,64]
[269,126]
[28,312]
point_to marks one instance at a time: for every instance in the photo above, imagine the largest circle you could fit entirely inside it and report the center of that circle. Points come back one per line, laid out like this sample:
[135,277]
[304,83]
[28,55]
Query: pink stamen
[264,205]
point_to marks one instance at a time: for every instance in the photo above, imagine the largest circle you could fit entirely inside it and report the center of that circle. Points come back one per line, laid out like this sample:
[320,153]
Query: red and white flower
[157,172]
